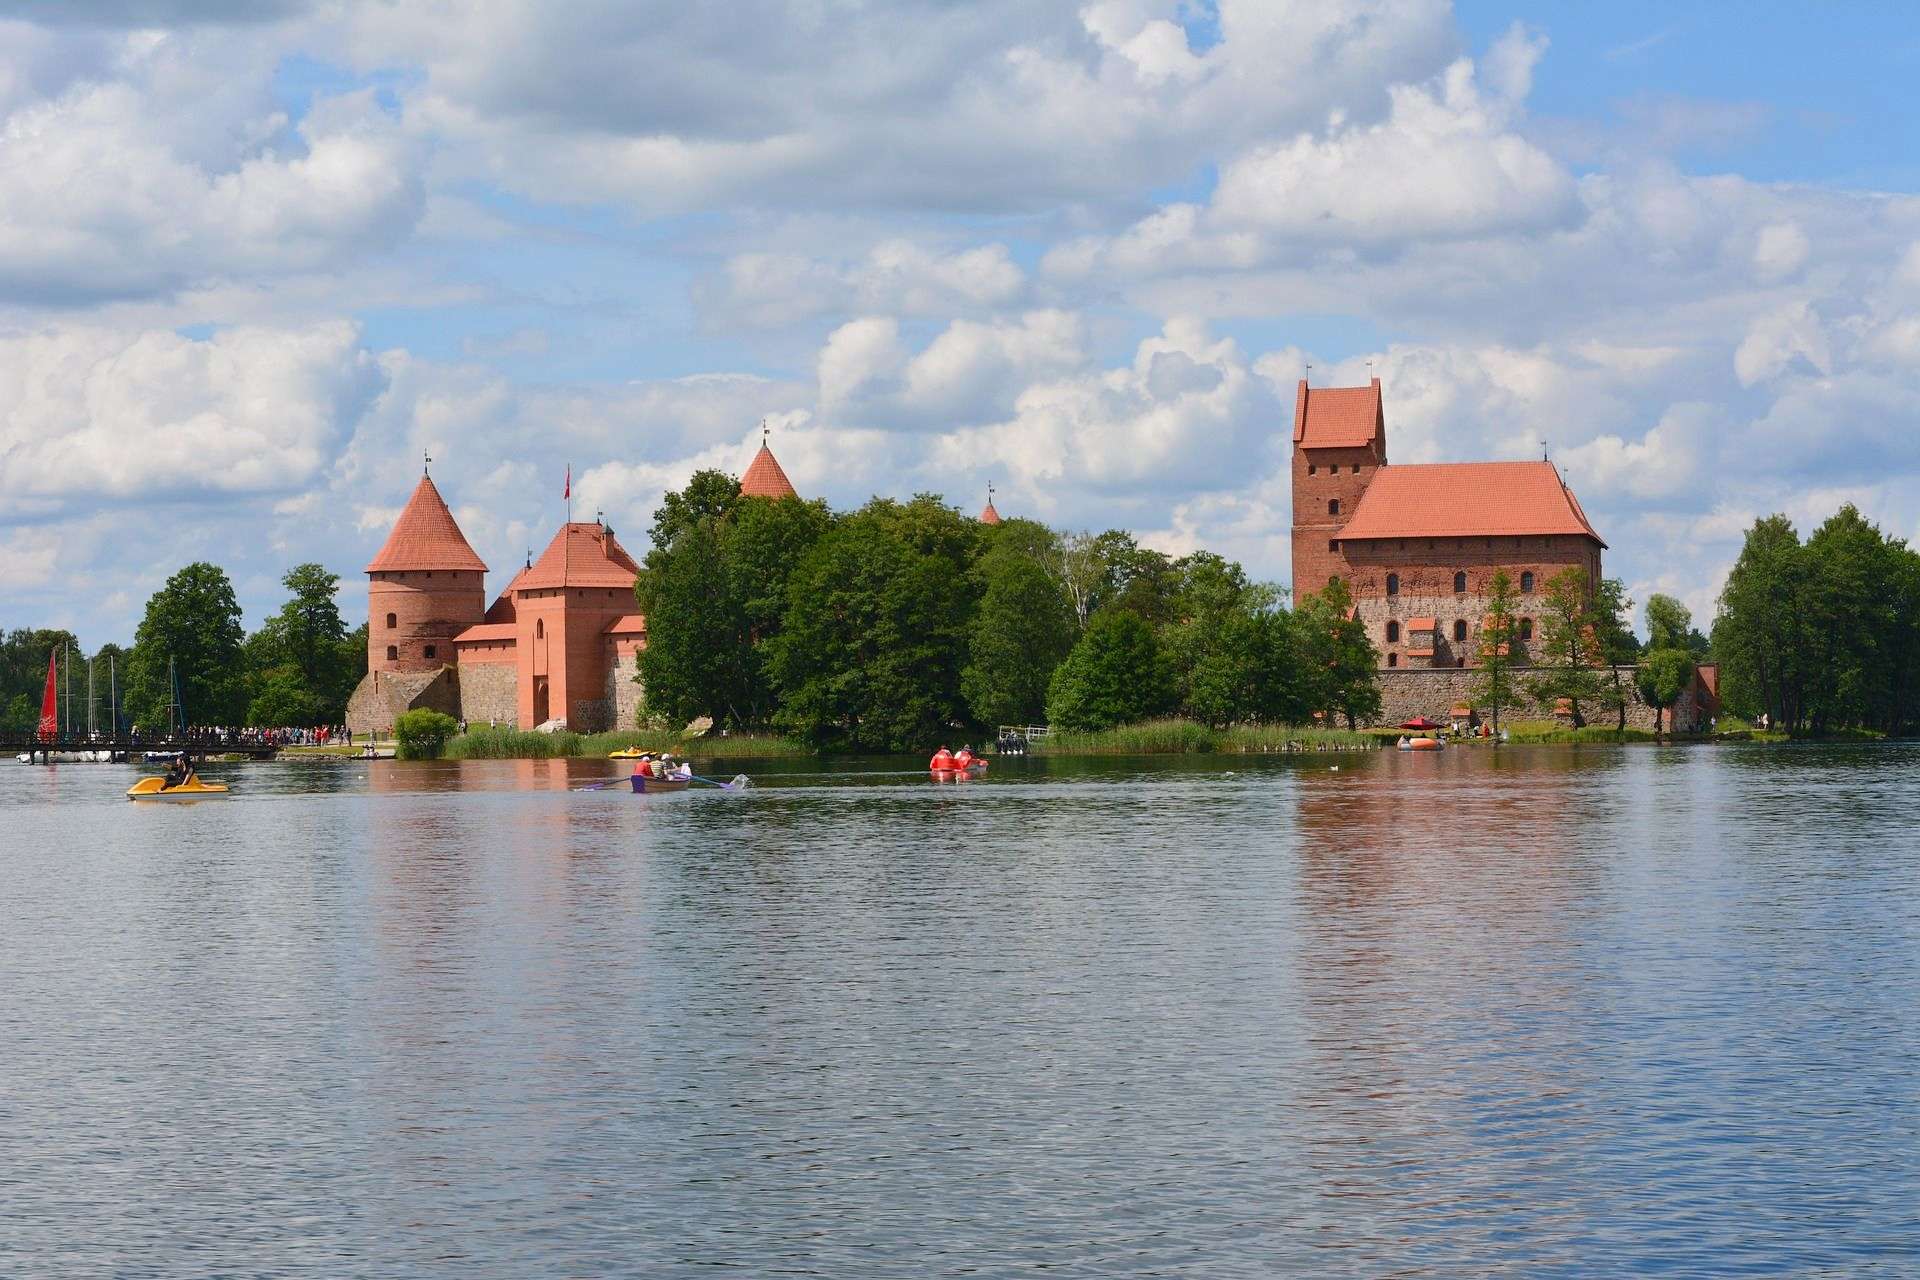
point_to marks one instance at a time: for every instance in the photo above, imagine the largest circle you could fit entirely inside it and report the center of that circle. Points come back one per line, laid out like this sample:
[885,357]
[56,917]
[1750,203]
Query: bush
[423,734]
[1188,737]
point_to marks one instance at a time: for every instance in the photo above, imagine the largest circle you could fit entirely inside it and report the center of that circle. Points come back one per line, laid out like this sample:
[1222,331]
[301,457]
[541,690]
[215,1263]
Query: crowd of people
[215,736]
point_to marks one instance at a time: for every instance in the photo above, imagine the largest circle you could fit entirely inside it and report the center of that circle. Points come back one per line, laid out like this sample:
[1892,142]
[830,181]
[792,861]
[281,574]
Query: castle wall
[1425,568]
[383,696]
[490,694]
[1405,694]
[623,687]
[416,614]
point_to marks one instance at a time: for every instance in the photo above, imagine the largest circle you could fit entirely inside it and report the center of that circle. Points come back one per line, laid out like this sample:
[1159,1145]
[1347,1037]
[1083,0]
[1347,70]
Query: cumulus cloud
[175,167]
[771,289]
[92,416]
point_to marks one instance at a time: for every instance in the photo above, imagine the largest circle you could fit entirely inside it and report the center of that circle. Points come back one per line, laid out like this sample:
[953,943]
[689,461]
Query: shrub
[422,734]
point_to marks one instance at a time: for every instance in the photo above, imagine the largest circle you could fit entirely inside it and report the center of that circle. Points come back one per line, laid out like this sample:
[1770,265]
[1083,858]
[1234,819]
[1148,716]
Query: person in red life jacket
[942,761]
[963,758]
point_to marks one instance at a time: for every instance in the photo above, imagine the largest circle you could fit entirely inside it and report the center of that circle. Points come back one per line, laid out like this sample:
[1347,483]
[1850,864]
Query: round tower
[424,588]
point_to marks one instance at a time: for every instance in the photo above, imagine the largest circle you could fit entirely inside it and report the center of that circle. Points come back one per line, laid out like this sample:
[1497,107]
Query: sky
[259,258]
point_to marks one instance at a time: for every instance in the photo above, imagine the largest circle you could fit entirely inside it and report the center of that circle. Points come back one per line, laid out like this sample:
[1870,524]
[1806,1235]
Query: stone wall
[1405,694]
[623,691]
[382,696]
[490,694]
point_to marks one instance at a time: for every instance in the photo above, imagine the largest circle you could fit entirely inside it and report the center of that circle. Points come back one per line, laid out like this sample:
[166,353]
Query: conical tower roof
[764,478]
[425,537]
[988,513]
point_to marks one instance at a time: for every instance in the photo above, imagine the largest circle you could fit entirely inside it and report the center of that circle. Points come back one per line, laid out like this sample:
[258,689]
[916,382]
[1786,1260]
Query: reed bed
[1189,737]
[521,744]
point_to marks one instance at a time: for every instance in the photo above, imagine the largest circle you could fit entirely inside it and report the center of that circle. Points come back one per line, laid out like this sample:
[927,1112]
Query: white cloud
[91,416]
[1780,250]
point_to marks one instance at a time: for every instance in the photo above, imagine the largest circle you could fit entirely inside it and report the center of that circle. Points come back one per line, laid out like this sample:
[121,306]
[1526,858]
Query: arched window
[1526,581]
[1459,584]
[1333,506]
[539,628]
[1526,628]
[1459,629]
[391,622]
[1393,584]
[393,653]
[429,651]
[1393,633]
[1393,659]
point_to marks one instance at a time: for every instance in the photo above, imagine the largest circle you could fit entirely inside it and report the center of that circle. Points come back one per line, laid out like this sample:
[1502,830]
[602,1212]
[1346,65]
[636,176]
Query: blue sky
[252,266]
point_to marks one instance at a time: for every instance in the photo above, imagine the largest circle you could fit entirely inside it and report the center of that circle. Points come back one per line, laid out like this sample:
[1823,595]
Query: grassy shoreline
[1189,737]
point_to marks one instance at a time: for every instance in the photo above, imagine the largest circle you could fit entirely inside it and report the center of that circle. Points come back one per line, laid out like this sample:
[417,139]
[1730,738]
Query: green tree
[1339,662]
[1022,631]
[1568,649]
[1662,678]
[1615,645]
[870,648]
[1114,675]
[299,664]
[1760,634]
[1494,683]
[194,621]
[695,660]
[707,499]
[1669,623]
[422,733]
[23,673]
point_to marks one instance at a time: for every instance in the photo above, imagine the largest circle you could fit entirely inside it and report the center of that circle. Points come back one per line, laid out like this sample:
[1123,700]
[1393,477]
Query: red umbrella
[1418,722]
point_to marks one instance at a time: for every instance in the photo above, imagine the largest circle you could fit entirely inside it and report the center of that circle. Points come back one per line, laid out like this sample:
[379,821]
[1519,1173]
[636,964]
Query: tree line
[1822,635]
[298,669]
[901,623]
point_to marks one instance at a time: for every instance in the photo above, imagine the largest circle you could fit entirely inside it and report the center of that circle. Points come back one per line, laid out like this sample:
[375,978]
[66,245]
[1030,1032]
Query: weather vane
[425,461]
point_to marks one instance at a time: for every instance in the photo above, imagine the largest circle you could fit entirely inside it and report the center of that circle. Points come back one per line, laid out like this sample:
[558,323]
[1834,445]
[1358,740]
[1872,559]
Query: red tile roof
[1419,624]
[582,554]
[1467,499]
[764,478]
[425,537]
[632,624]
[1337,417]
[487,632]
[988,515]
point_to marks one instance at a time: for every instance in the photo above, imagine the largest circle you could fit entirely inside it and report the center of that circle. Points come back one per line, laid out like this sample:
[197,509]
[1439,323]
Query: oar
[601,786]
[739,782]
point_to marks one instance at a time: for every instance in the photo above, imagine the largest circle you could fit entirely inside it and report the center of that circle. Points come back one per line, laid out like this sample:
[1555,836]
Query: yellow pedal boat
[631,753]
[191,789]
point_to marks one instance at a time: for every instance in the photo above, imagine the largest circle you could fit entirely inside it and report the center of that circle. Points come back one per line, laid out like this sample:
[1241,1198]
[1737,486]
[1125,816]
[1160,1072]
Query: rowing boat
[645,785]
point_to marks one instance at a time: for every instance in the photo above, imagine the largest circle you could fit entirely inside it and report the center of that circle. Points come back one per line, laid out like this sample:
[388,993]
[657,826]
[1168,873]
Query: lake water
[1559,1011]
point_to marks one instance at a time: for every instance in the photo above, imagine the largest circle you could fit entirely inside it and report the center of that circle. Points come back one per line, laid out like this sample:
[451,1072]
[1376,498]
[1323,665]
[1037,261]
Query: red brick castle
[1418,545]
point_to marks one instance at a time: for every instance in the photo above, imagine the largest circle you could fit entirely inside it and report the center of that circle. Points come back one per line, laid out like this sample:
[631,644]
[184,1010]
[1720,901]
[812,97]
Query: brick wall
[427,608]
[623,688]
[382,696]
[1322,476]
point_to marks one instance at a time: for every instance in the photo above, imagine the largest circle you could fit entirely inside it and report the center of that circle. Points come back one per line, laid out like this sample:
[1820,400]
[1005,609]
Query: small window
[391,622]
[429,651]
[539,628]
[1393,659]
[1393,584]
[1459,662]
[1526,628]
[393,653]
[1333,506]
[1526,582]
[1393,633]
[1356,468]
[1333,544]
[1312,469]
[1459,584]
[1459,629]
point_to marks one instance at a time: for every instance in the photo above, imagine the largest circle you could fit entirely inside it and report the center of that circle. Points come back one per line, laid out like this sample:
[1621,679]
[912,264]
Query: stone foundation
[383,696]
[490,694]
[1406,693]
[623,691]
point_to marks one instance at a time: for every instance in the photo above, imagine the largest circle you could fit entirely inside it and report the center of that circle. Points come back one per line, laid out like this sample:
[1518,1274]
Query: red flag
[49,704]
[567,492]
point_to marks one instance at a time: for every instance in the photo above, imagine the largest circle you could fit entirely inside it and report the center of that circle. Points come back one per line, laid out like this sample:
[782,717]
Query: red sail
[49,707]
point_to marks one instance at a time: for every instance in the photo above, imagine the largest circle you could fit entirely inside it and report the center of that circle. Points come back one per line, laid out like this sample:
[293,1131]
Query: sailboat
[49,728]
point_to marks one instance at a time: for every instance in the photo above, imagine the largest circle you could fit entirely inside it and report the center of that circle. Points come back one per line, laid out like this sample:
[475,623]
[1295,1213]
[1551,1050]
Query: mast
[89,697]
[113,696]
[68,682]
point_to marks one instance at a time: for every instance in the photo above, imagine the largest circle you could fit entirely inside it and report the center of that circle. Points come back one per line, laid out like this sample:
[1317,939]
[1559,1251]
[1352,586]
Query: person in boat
[179,773]
[942,761]
[963,758]
[683,771]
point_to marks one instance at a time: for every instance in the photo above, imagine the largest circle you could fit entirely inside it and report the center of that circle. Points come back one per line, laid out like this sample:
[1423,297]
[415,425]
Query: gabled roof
[1338,417]
[988,515]
[764,478]
[582,554]
[486,632]
[1467,499]
[425,537]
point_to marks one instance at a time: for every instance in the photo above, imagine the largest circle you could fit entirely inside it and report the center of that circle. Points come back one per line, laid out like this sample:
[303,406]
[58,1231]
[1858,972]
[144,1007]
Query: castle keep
[560,643]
